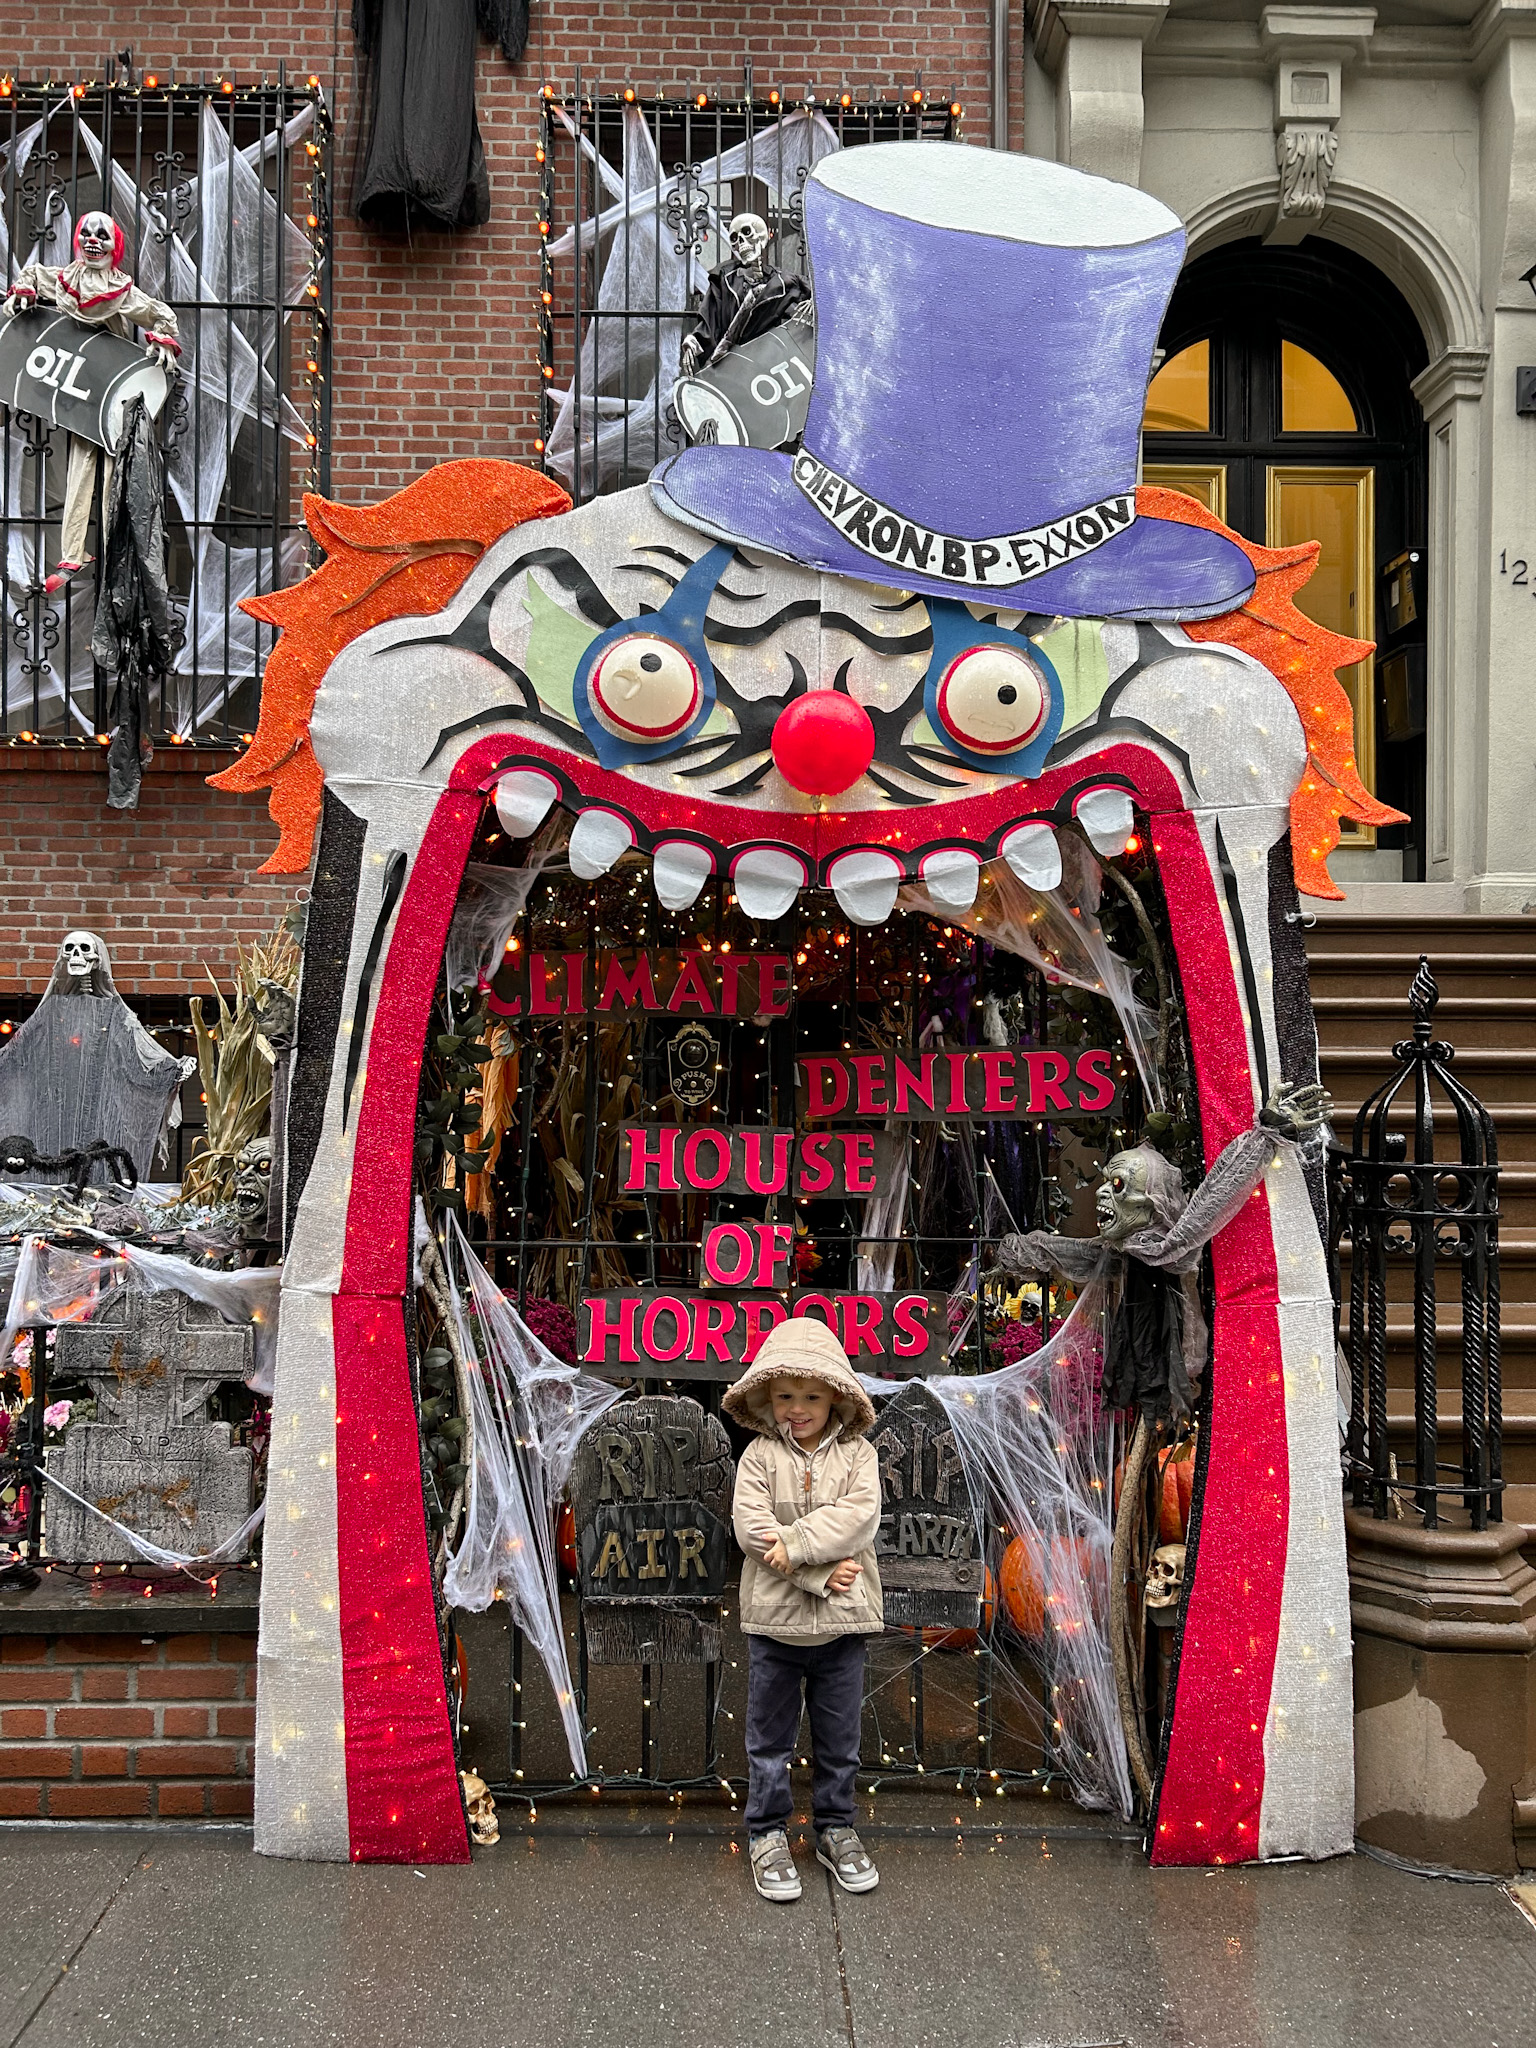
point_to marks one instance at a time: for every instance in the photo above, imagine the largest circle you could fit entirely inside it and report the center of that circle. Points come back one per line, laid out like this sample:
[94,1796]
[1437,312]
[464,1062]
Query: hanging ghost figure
[1151,1237]
[82,1070]
[96,293]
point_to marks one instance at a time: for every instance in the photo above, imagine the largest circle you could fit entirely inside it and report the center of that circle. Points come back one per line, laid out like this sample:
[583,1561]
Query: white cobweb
[529,1410]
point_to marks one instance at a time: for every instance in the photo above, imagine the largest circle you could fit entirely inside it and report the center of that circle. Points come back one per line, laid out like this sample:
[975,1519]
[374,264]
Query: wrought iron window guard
[222,191]
[1421,1211]
[634,198]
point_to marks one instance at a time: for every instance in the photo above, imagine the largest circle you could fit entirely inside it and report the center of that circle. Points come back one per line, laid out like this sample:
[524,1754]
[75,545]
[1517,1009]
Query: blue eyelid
[955,633]
[680,620]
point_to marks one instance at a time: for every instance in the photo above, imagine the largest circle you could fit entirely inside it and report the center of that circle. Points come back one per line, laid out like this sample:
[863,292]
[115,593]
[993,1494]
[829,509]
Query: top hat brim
[1154,569]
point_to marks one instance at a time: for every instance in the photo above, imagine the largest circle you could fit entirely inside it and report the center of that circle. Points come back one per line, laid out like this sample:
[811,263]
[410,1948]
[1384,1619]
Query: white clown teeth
[1108,817]
[679,870]
[598,840]
[865,884]
[767,879]
[951,877]
[1031,851]
[523,799]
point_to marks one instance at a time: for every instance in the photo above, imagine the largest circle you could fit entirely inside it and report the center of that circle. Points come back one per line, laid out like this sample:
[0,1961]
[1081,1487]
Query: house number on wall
[1517,569]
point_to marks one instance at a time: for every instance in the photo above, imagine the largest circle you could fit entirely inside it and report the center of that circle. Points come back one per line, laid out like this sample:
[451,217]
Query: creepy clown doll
[95,292]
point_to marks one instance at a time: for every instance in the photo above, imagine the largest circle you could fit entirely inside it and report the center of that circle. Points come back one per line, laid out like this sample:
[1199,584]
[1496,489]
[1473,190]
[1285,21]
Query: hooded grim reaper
[83,1071]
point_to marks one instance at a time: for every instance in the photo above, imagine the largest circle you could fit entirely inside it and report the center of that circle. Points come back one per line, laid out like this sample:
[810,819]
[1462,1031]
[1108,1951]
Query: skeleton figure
[82,1069]
[253,1186]
[746,297]
[95,292]
[1165,1575]
[1151,1235]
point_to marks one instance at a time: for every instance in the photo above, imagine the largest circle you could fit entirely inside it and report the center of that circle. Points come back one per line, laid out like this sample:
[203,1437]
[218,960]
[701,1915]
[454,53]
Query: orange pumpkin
[964,1638]
[565,1539]
[1062,1585]
[1178,1478]
[1174,1499]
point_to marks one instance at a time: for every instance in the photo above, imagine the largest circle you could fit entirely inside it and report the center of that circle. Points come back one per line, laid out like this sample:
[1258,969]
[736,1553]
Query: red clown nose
[823,742]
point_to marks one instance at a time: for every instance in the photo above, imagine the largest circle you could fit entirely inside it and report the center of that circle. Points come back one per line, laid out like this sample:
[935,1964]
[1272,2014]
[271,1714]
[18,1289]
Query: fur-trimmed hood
[803,1348]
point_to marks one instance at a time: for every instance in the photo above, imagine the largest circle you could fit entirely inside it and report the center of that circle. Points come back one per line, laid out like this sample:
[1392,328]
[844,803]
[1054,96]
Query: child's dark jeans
[833,1677]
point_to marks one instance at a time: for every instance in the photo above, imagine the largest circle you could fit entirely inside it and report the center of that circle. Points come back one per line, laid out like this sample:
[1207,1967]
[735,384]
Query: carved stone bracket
[1309,47]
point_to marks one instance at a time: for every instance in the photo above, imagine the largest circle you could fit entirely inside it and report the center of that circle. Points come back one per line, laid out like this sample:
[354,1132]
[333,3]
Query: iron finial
[1423,994]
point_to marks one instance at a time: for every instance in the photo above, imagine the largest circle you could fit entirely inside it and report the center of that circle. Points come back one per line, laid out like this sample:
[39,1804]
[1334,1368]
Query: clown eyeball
[645,689]
[992,700]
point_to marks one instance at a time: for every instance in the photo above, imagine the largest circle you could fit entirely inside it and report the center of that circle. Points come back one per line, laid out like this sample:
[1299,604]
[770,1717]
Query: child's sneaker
[773,1868]
[847,1858]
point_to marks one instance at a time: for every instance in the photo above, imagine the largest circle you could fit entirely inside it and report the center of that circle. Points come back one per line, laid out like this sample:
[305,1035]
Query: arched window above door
[1312,400]
[1179,396]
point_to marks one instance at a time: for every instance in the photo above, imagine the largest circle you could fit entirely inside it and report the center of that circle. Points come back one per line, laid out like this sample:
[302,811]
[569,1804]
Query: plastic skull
[81,954]
[1165,1575]
[748,237]
[480,1808]
[96,238]
[1123,1204]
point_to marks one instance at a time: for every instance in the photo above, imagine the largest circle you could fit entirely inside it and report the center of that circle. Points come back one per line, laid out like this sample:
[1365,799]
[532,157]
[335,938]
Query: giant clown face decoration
[948,628]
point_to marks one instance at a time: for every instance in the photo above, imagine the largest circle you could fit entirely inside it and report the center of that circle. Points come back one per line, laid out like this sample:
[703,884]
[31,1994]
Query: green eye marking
[556,643]
[1075,649]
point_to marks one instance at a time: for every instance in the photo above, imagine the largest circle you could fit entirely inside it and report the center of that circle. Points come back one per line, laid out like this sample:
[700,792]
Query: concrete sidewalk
[561,1937]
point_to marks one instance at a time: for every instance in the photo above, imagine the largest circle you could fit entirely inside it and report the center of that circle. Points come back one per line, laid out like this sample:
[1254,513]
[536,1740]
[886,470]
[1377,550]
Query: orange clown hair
[408,554]
[1305,658]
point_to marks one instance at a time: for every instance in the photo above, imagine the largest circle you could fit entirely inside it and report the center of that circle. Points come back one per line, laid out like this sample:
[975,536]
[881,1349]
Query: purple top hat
[985,328]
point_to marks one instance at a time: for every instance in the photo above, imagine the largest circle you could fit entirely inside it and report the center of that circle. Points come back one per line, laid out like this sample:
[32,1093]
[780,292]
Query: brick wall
[100,1727]
[169,886]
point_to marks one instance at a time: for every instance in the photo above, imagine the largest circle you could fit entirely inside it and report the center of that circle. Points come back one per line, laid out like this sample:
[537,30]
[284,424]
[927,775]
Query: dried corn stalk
[235,1065]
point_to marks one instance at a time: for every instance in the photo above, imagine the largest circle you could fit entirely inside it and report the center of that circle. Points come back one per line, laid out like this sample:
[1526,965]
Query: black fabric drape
[135,634]
[1146,1337]
[423,165]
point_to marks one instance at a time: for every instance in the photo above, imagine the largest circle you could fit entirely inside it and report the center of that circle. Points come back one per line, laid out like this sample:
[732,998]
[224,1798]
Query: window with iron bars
[637,196]
[222,192]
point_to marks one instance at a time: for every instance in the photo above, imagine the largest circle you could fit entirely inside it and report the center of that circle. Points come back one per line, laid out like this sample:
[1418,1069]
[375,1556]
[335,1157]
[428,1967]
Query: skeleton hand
[161,354]
[19,299]
[690,355]
[1296,1110]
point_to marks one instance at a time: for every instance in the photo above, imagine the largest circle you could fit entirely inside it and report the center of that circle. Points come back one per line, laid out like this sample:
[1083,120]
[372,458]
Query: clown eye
[645,689]
[992,700]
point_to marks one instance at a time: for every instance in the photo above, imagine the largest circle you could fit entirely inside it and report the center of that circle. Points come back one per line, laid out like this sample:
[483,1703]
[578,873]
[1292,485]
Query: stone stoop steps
[1361,965]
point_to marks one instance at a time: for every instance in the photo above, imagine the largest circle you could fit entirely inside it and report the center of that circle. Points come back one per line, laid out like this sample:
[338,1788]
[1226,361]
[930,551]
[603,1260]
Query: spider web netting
[58,1284]
[528,1413]
[1038,1449]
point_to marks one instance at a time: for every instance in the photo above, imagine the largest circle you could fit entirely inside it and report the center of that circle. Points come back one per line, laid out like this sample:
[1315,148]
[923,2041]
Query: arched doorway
[1284,403]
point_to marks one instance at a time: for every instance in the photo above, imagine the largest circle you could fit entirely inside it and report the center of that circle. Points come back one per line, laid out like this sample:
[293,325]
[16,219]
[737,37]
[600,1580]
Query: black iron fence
[1419,1215]
[636,198]
[222,193]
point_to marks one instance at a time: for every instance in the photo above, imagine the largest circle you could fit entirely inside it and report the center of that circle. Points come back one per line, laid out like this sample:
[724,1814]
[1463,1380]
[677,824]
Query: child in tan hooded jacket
[807,1507]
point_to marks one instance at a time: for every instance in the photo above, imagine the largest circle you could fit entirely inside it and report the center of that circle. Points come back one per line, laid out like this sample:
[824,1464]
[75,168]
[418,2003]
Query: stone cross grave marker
[651,1500]
[928,1546]
[152,1459]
